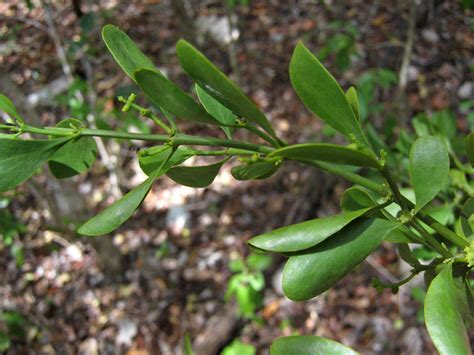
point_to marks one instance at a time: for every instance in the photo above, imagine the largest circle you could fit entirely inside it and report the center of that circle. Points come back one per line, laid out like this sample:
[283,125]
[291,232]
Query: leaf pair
[168,96]
[192,176]
[322,95]
[161,163]
[121,210]
[324,250]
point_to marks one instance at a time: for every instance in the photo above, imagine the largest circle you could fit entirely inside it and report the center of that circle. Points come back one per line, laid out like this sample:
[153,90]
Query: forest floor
[175,252]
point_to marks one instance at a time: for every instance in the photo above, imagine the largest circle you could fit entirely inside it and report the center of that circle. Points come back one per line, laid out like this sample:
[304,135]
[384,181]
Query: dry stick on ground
[107,160]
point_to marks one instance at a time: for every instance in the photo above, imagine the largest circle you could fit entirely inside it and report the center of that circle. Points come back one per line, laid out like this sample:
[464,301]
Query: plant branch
[431,241]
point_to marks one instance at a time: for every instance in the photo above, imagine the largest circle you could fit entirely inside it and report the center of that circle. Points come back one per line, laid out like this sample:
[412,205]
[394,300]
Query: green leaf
[445,307]
[9,108]
[20,159]
[470,148]
[239,348]
[188,349]
[151,159]
[326,152]
[356,198]
[397,236]
[313,271]
[196,176]
[74,157]
[121,210]
[217,110]
[304,235]
[321,94]
[257,170]
[351,96]
[125,51]
[308,345]
[429,168]
[216,84]
[167,95]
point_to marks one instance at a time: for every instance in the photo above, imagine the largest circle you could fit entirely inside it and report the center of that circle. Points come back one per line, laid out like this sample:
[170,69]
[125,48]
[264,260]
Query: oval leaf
[167,95]
[20,159]
[308,344]
[121,210]
[9,108]
[195,176]
[217,110]
[216,84]
[257,170]
[74,157]
[125,51]
[304,235]
[429,168]
[445,305]
[321,94]
[326,152]
[315,270]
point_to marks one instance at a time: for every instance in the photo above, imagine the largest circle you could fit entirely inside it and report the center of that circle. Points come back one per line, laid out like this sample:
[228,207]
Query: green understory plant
[393,197]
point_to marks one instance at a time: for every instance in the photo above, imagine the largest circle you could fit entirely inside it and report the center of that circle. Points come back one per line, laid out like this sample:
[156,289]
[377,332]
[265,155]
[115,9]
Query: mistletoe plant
[321,251]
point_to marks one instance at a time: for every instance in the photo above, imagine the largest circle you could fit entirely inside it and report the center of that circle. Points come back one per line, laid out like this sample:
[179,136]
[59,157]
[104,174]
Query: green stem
[229,151]
[429,239]
[145,112]
[178,139]
[393,186]
[445,232]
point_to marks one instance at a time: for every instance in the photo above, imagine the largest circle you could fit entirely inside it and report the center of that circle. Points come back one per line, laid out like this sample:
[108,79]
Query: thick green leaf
[470,148]
[326,152]
[167,95]
[429,168]
[76,156]
[121,210]
[351,96]
[321,93]
[304,235]
[196,176]
[9,108]
[445,308]
[125,51]
[257,170]
[217,110]
[315,270]
[20,159]
[151,159]
[308,345]
[215,83]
